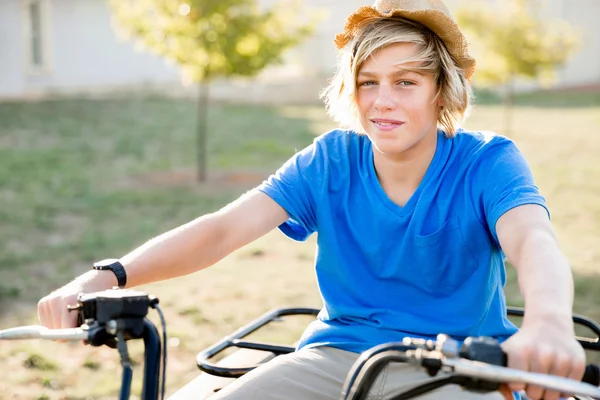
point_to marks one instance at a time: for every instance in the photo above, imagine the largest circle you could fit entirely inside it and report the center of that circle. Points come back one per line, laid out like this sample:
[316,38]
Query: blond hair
[377,33]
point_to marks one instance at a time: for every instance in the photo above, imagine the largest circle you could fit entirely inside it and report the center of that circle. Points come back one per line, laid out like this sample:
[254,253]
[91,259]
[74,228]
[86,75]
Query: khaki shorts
[319,374]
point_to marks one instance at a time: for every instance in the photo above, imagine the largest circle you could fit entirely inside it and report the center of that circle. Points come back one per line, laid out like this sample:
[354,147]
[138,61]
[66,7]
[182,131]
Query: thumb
[68,319]
[506,392]
[517,358]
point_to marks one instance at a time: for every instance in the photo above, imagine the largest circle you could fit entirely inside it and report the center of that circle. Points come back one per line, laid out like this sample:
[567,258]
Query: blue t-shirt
[384,271]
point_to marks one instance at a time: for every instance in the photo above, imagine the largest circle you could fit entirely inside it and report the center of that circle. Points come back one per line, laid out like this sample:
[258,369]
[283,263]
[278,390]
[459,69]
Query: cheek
[364,100]
[419,107]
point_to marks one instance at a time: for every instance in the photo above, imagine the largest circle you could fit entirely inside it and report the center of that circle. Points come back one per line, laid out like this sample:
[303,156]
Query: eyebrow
[399,72]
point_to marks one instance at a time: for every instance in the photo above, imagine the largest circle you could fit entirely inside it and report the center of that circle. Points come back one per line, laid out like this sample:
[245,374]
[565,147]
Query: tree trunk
[202,129]
[509,97]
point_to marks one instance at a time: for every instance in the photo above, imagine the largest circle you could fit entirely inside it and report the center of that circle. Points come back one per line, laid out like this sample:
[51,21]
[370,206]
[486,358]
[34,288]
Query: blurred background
[120,120]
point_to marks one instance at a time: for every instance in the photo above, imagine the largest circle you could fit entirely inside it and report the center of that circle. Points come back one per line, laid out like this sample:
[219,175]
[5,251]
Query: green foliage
[209,38]
[514,41]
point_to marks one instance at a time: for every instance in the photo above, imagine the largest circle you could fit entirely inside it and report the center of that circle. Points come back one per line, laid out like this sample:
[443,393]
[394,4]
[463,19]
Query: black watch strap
[116,267]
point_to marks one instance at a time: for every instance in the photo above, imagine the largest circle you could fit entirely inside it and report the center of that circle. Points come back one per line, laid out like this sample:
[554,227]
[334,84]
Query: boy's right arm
[181,251]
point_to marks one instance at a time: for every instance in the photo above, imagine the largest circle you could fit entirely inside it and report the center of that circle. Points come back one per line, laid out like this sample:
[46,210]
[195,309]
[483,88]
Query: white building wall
[11,56]
[83,50]
[584,67]
[86,50]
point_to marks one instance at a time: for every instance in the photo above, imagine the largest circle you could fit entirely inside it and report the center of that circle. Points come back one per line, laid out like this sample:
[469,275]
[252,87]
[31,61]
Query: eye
[367,83]
[406,83]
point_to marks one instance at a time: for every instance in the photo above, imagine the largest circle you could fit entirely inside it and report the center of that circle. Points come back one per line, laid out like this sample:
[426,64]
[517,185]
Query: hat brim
[439,23]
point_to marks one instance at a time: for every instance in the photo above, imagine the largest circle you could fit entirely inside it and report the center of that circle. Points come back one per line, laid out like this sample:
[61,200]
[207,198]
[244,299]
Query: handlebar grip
[489,351]
[591,375]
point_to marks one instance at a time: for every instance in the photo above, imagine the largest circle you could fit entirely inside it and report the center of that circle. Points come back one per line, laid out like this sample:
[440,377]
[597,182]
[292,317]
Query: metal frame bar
[235,340]
[586,343]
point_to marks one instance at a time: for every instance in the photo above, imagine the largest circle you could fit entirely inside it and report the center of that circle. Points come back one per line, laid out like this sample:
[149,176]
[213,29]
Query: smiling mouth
[386,122]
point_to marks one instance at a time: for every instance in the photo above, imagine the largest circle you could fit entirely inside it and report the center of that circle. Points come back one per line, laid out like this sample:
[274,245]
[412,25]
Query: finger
[541,362]
[518,361]
[49,316]
[54,308]
[505,391]
[43,315]
[562,366]
[59,316]
[68,319]
[577,365]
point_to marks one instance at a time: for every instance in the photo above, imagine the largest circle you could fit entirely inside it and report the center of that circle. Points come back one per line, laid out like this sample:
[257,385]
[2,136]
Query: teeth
[384,123]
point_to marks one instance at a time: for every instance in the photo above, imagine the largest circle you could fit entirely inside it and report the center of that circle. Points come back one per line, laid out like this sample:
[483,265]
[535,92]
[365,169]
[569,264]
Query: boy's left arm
[546,341]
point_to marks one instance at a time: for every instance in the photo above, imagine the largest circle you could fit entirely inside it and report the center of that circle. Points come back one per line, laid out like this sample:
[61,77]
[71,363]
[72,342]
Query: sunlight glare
[184,9]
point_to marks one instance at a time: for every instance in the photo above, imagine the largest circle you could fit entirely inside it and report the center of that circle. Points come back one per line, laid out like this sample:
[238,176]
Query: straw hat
[431,13]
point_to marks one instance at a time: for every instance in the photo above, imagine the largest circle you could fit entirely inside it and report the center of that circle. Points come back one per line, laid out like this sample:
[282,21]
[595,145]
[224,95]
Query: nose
[385,100]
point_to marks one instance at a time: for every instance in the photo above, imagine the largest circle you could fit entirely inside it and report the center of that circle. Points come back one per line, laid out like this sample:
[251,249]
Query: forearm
[195,245]
[545,280]
[181,251]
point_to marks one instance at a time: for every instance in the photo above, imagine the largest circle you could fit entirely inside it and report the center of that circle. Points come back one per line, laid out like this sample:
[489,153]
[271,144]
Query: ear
[439,99]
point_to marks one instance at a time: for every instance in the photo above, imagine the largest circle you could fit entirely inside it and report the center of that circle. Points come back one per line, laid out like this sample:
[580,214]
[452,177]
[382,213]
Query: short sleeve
[505,181]
[296,187]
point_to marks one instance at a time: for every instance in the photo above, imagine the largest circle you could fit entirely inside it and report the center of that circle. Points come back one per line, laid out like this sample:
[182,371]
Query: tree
[515,42]
[211,39]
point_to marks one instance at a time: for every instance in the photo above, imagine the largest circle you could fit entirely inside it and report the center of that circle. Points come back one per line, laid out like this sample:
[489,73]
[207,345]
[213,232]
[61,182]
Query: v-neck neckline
[406,209]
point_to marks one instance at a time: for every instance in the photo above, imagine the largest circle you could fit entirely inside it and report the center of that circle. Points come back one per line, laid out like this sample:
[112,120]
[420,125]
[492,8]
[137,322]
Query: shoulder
[477,147]
[339,144]
[490,159]
[480,141]
[332,148]
[339,138]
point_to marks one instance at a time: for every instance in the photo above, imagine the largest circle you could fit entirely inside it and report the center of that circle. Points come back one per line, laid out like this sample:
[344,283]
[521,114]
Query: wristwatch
[114,265]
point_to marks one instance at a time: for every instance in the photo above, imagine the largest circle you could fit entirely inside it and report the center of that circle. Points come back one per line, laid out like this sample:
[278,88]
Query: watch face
[105,263]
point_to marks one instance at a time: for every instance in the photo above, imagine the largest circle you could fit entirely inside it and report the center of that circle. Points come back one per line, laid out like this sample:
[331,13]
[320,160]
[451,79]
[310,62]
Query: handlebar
[477,364]
[112,318]
[41,332]
[587,387]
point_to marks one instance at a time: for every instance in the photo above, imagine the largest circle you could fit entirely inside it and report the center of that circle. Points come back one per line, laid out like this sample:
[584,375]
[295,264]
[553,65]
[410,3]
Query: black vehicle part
[429,354]
[368,366]
[235,340]
[112,318]
[483,349]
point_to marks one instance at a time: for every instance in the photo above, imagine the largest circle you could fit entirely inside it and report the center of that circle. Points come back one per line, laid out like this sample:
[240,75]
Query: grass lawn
[83,179]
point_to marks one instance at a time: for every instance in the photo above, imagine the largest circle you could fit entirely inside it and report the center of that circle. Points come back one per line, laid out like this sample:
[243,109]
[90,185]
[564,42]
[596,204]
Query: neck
[405,170]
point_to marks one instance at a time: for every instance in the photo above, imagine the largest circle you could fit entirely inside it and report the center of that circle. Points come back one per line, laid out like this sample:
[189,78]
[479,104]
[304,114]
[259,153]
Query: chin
[391,146]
